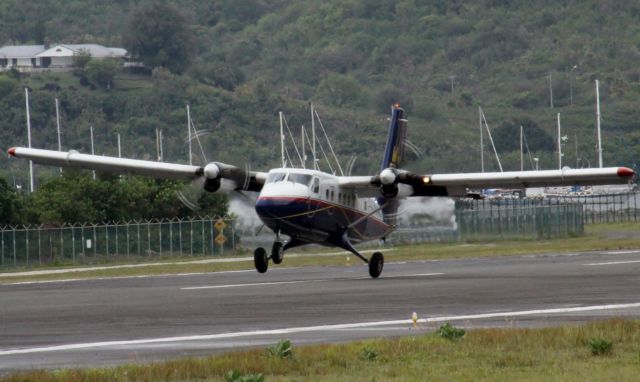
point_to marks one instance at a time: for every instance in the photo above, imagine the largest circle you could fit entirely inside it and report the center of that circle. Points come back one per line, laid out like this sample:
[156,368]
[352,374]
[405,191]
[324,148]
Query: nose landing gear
[261,259]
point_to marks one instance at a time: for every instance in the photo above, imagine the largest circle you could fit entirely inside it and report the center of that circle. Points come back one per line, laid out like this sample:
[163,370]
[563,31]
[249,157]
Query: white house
[20,56]
[61,56]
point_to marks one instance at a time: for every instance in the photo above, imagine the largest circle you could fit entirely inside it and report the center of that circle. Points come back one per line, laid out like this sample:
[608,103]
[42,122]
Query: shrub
[282,349]
[600,346]
[369,354]
[235,376]
[450,332]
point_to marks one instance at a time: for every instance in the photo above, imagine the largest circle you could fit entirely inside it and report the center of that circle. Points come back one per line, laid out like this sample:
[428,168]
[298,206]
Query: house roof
[21,51]
[60,50]
[94,50]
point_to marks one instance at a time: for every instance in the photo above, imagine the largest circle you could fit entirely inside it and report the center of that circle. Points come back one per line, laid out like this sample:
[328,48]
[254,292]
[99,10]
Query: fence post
[117,249]
[160,237]
[191,242]
[106,236]
[171,237]
[73,245]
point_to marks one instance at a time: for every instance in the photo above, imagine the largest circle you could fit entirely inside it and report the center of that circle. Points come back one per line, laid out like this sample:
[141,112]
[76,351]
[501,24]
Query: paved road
[138,319]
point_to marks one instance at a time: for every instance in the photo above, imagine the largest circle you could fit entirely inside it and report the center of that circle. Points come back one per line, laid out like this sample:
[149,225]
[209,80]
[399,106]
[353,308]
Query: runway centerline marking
[302,281]
[613,263]
[252,284]
[306,329]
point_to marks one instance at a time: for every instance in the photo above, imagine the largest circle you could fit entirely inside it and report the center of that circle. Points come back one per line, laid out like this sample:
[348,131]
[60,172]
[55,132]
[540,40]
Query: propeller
[390,181]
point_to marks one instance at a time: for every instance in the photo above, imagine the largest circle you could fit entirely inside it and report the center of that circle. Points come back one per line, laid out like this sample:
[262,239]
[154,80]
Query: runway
[140,319]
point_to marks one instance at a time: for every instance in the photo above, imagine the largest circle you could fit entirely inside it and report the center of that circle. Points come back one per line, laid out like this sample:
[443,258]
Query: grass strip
[556,353]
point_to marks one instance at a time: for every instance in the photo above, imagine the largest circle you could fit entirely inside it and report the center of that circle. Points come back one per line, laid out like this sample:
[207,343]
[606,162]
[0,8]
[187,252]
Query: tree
[158,34]
[9,203]
[81,59]
[100,73]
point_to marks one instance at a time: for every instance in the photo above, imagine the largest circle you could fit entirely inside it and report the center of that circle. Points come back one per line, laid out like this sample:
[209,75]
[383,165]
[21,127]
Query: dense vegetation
[239,62]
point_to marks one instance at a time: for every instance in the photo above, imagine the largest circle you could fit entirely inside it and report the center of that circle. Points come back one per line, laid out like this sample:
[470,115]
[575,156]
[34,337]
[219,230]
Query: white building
[39,57]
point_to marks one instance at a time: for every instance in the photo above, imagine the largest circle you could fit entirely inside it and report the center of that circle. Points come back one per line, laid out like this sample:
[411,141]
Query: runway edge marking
[305,329]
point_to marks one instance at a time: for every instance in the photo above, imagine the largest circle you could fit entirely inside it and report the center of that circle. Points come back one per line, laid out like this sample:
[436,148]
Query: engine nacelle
[212,185]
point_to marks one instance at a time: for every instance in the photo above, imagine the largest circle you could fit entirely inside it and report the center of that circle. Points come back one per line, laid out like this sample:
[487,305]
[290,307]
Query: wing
[457,185]
[214,172]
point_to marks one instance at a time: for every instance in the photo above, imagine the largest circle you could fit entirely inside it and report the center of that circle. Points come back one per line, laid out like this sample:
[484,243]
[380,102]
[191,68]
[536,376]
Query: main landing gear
[376,262]
[261,259]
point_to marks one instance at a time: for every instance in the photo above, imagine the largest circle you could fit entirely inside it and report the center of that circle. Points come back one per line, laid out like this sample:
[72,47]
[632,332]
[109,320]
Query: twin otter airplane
[315,207]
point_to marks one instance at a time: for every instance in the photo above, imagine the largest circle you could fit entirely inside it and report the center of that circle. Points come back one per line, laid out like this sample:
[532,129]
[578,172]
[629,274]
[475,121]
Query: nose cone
[279,201]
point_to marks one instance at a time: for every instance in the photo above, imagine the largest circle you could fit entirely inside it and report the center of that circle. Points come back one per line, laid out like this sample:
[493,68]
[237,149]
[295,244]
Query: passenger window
[333,196]
[327,192]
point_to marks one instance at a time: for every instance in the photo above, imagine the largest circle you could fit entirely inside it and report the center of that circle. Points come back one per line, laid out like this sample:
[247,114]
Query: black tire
[277,252]
[376,263]
[260,260]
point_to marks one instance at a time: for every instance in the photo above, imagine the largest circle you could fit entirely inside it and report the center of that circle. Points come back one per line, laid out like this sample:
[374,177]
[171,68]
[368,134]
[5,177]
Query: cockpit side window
[303,179]
[316,185]
[276,177]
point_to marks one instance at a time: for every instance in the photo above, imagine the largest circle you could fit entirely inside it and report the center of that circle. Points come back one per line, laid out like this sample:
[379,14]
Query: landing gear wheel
[277,252]
[376,263]
[260,260]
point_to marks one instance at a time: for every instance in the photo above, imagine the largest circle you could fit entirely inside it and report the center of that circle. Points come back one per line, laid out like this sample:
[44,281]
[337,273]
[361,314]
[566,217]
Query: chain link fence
[214,236]
[95,243]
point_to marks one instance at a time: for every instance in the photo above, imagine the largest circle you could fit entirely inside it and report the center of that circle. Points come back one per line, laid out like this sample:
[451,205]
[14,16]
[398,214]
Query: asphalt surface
[142,319]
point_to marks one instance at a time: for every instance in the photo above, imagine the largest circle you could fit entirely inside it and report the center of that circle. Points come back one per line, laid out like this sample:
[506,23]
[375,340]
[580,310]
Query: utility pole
[571,84]
[521,150]
[282,141]
[559,145]
[313,139]
[451,79]
[58,127]
[189,134]
[304,153]
[26,95]
[550,91]
[598,125]
[575,138]
[481,138]
[119,147]
[92,149]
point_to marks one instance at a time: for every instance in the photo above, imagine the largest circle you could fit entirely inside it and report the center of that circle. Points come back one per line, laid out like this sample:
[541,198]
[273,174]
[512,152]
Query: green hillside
[245,60]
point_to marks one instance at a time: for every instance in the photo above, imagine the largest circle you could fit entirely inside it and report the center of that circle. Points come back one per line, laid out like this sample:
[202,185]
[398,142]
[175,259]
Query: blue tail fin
[393,157]
[394,151]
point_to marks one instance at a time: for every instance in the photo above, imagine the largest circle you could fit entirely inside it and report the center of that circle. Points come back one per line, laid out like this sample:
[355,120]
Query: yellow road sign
[220,225]
[221,239]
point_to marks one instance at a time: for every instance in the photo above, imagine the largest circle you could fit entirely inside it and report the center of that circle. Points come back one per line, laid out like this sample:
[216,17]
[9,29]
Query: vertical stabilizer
[394,151]
[393,157]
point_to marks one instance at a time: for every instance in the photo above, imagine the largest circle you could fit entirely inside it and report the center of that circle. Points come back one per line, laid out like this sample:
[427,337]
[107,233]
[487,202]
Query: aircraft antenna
[26,95]
[58,127]
[491,140]
[329,142]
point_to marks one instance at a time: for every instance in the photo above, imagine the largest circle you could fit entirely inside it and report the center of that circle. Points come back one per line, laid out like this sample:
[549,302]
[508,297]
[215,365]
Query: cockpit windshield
[276,177]
[303,179]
